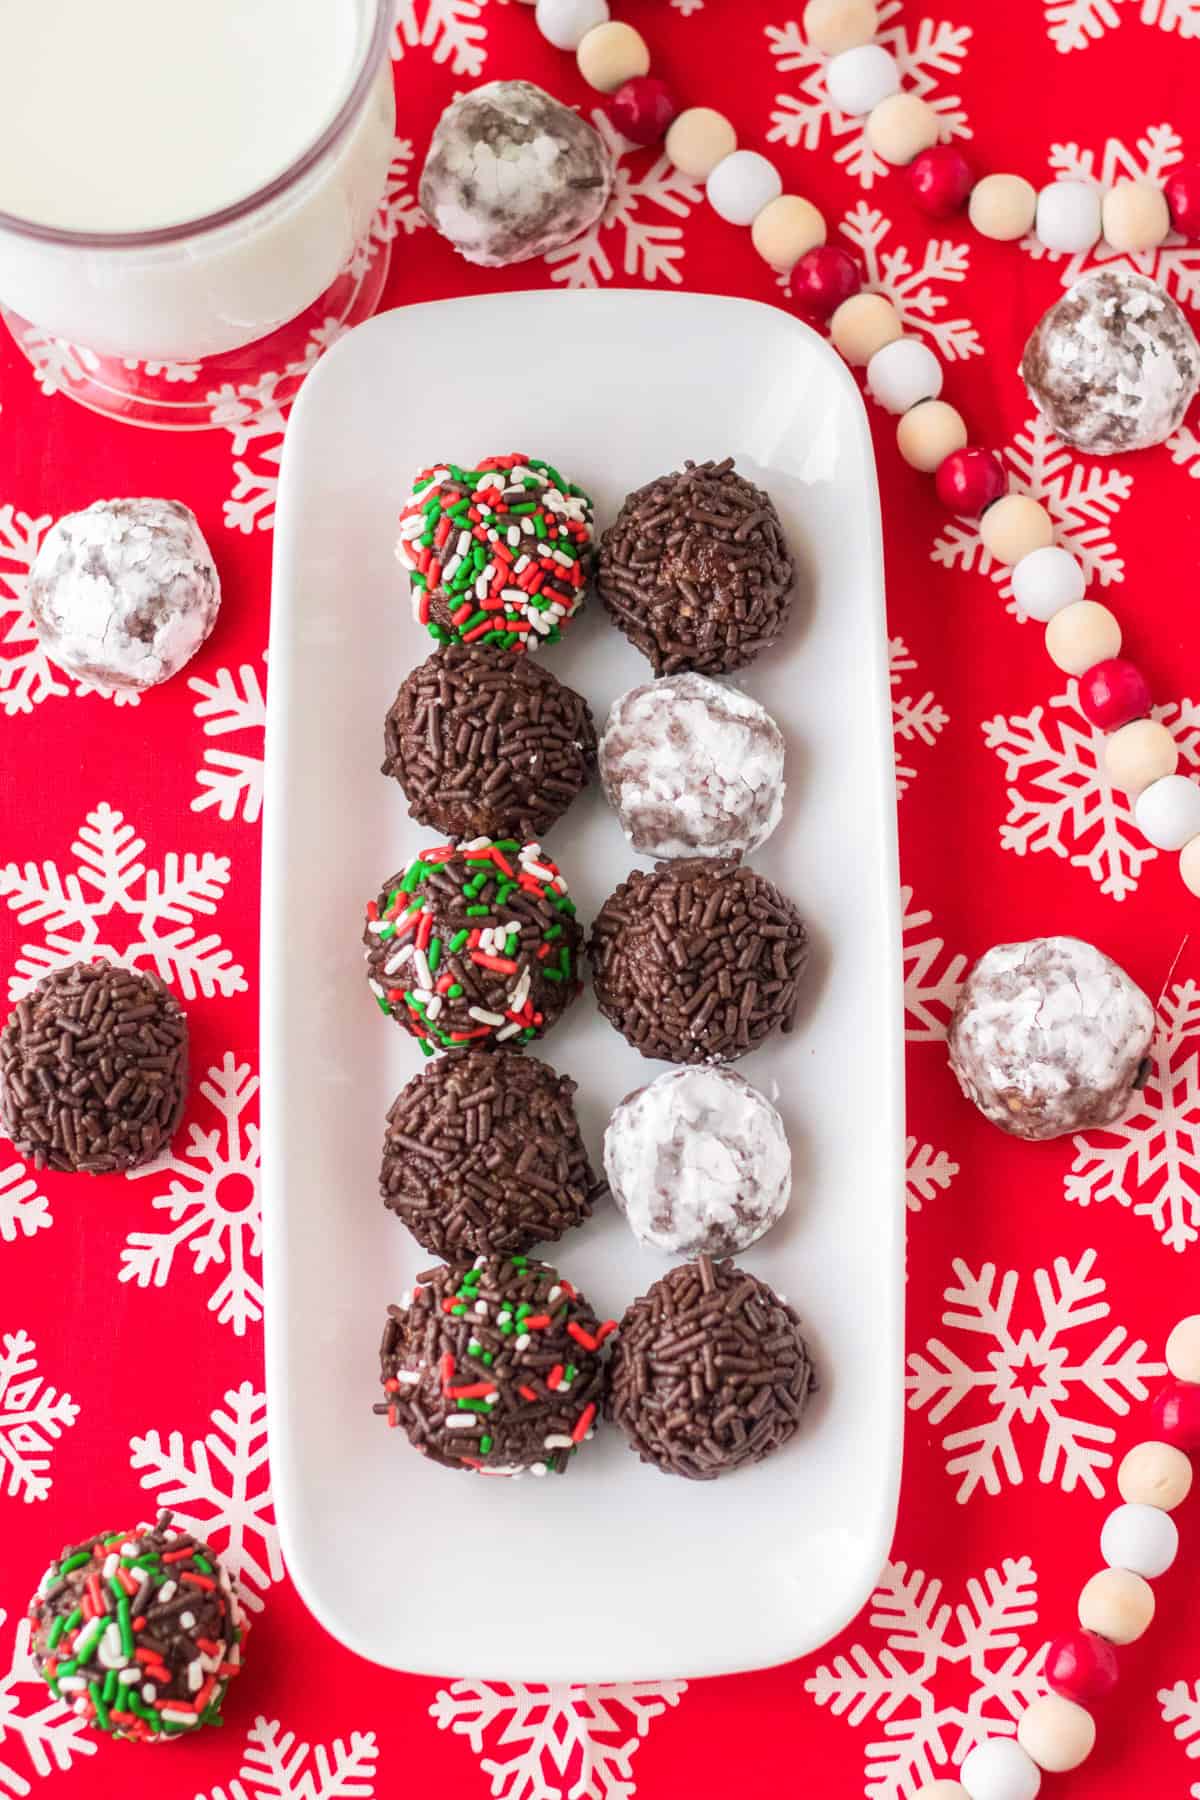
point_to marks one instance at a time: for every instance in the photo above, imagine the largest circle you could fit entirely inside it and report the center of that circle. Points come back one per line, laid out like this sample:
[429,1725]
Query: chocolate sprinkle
[695,570]
[698,961]
[483,1152]
[710,1371]
[93,1069]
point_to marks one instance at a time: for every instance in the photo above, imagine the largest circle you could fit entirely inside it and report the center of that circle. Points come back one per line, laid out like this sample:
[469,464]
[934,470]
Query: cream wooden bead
[862,325]
[786,229]
[610,55]
[1014,526]
[1082,635]
[1134,215]
[1003,207]
[1183,1347]
[831,26]
[942,1790]
[1056,1733]
[1153,1474]
[1117,1605]
[698,140]
[1189,866]
[899,128]
[1138,754]
[929,433]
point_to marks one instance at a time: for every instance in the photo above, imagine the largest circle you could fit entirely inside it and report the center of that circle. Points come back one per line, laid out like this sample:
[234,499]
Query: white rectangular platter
[613,1571]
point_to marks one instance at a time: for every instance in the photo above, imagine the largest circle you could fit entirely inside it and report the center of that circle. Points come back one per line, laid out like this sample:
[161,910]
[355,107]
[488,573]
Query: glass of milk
[178,181]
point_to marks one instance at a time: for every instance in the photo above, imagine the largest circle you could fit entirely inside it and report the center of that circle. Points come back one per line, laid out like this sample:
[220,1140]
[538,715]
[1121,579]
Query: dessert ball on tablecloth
[483,1153]
[139,1631]
[474,943]
[698,961]
[709,1372]
[497,556]
[484,747]
[698,1162]
[695,570]
[494,1365]
[124,593]
[1113,365]
[1050,1037]
[94,1069]
[512,173]
[693,768]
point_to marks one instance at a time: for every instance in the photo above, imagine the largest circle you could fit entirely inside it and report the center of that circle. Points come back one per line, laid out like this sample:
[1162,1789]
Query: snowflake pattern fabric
[276,1765]
[38,1734]
[33,1417]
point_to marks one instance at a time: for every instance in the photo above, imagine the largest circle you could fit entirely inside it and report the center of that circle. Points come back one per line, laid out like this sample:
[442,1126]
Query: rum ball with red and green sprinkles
[474,945]
[498,555]
[139,1631]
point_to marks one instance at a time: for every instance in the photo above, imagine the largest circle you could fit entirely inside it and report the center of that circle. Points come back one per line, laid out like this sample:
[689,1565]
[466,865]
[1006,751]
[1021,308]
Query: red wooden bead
[822,279]
[1182,191]
[940,178]
[1113,692]
[969,480]
[1175,1411]
[1081,1666]
[642,109]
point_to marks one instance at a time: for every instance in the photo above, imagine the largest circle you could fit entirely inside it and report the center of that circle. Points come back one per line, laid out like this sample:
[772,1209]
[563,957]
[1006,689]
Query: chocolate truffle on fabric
[483,1153]
[1050,1037]
[495,1365]
[710,1371]
[474,943]
[696,572]
[485,747]
[698,961]
[497,556]
[140,1632]
[94,1069]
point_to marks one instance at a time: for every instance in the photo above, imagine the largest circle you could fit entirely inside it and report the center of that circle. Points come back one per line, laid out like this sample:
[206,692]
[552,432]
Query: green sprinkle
[126,1628]
[552,932]
[75,1562]
[433,955]
[564,960]
[507,1330]
[66,1668]
[454,991]
[204,1567]
[485,1444]
[474,1348]
[506,843]
[58,1627]
[552,974]
[512,943]
[477,618]
[488,1358]
[520,1262]
[474,1406]
[439,632]
[387,930]
[383,1005]
[110,1687]
[457,941]
[426,1047]
[478,912]
[458,1312]
[570,1372]
[102,1718]
[565,904]
[414,877]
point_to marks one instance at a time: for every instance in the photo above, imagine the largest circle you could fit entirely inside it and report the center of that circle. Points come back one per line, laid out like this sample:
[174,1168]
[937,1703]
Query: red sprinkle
[555,1376]
[527,1393]
[393,1417]
[176,1555]
[127,1581]
[95,1596]
[535,1322]
[582,1423]
[501,965]
[475,1390]
[200,1581]
[391,1386]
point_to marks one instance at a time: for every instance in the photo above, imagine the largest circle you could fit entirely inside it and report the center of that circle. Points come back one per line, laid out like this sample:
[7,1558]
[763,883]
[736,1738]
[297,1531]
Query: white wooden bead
[1138,754]
[1167,813]
[833,25]
[1015,526]
[1153,1474]
[1117,1605]
[565,23]
[1068,216]
[998,1769]
[903,374]
[857,80]
[741,185]
[786,229]
[1140,1538]
[1056,1733]
[1134,215]
[1047,580]
[1082,635]
[698,140]
[1002,207]
[1189,866]
[862,325]
[610,55]
[900,127]
[942,1790]
[1183,1349]
[929,433]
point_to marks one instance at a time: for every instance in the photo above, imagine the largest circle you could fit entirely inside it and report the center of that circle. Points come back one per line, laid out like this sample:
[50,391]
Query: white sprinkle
[375,926]
[477,843]
[514,536]
[452,567]
[195,1675]
[375,988]
[515,594]
[487,941]
[523,1341]
[72,1684]
[553,1295]
[556,1441]
[167,1592]
[424,995]
[522,563]
[484,1018]
[398,961]
[462,1422]
[412,527]
[540,870]
[463,544]
[510,1030]
[482,584]
[88,1637]
[539,622]
[179,1718]
[149,1692]
[127,1677]
[561,557]
[480,1262]
[511,926]
[504,1315]
[433,1008]
[520,993]
[527,526]
[81,1705]
[538,1469]
[421,965]
[407,1377]
[187,1620]
[481,1309]
[111,1655]
[112,1563]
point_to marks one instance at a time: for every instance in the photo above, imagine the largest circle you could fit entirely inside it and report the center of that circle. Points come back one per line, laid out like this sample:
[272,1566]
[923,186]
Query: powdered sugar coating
[1048,1037]
[698,1162]
[692,767]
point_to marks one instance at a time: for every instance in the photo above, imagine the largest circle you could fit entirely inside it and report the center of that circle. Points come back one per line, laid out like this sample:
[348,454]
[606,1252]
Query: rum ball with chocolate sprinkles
[140,1632]
[495,1365]
[710,1371]
[474,943]
[698,961]
[484,747]
[696,571]
[483,1152]
[93,1069]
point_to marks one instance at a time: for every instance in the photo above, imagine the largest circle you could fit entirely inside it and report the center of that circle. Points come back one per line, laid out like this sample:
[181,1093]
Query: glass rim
[237,209]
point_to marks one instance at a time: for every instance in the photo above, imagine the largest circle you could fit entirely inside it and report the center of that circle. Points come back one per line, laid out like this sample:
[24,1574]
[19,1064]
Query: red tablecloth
[1041,1279]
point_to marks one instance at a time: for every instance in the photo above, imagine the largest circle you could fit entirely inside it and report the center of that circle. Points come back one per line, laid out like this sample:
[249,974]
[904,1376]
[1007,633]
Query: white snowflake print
[27,675]
[1181,1710]
[33,1416]
[685,8]
[220,1487]
[1148,1161]
[449,29]
[23,1211]
[1032,1370]
[1175,264]
[1059,798]
[549,1729]
[58,365]
[1184,446]
[150,910]
[930,51]
[651,248]
[47,1731]
[942,1679]
[1082,501]
[914,721]
[925,1171]
[276,1765]
[911,285]
[931,978]
[1074,24]
[212,1204]
[231,780]
[398,213]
